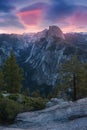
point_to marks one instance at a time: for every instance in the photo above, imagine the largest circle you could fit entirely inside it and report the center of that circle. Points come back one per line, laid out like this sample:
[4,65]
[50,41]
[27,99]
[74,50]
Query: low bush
[13,97]
[8,110]
[38,103]
[16,103]
[32,104]
[1,96]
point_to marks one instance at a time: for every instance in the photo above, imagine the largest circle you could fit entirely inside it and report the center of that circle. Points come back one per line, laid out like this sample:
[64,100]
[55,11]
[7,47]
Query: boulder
[54,101]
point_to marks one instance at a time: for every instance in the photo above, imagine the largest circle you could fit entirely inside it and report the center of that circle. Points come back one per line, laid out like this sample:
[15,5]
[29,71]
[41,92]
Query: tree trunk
[74,88]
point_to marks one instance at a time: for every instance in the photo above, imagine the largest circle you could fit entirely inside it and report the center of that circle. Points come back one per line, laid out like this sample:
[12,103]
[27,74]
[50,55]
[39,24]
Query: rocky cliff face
[55,32]
[40,54]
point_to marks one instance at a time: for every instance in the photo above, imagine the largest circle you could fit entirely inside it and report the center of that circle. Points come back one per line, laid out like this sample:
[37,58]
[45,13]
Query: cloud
[39,5]
[77,21]
[68,15]
[28,15]
[32,15]
[30,18]
[10,20]
[6,7]
[59,9]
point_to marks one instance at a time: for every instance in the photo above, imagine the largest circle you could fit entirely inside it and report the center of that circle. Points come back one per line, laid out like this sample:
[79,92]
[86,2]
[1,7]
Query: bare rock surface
[64,116]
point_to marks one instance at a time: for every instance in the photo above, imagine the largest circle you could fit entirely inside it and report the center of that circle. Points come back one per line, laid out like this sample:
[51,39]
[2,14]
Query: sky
[25,16]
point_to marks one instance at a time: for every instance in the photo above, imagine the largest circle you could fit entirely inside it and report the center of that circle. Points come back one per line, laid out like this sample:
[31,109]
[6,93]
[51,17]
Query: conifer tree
[74,76]
[1,80]
[13,75]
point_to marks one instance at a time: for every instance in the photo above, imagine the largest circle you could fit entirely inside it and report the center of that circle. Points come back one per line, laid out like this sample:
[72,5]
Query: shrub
[30,104]
[36,94]
[10,106]
[26,102]
[38,103]
[13,97]
[1,96]
[8,110]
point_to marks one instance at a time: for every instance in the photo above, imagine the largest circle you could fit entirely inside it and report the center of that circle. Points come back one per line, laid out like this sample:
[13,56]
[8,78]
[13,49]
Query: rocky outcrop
[55,32]
[64,116]
[55,101]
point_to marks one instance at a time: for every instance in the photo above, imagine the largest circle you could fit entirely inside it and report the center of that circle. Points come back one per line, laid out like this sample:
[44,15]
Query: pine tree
[1,80]
[74,77]
[13,75]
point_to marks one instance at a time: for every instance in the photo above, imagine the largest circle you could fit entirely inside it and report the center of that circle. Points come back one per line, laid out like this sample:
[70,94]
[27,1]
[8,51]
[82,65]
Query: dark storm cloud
[5,6]
[39,5]
[59,9]
[8,17]
[9,20]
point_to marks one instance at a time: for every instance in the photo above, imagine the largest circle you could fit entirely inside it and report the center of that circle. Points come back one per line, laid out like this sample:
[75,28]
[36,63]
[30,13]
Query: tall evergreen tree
[13,75]
[1,80]
[74,77]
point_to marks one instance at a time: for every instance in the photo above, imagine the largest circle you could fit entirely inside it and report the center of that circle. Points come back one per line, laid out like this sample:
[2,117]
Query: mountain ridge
[40,54]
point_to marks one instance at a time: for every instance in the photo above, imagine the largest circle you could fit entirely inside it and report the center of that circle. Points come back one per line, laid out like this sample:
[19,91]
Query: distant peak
[55,31]
[54,27]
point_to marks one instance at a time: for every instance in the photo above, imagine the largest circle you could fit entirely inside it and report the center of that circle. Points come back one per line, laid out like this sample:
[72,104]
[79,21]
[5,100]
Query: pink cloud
[78,18]
[31,17]
[77,22]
